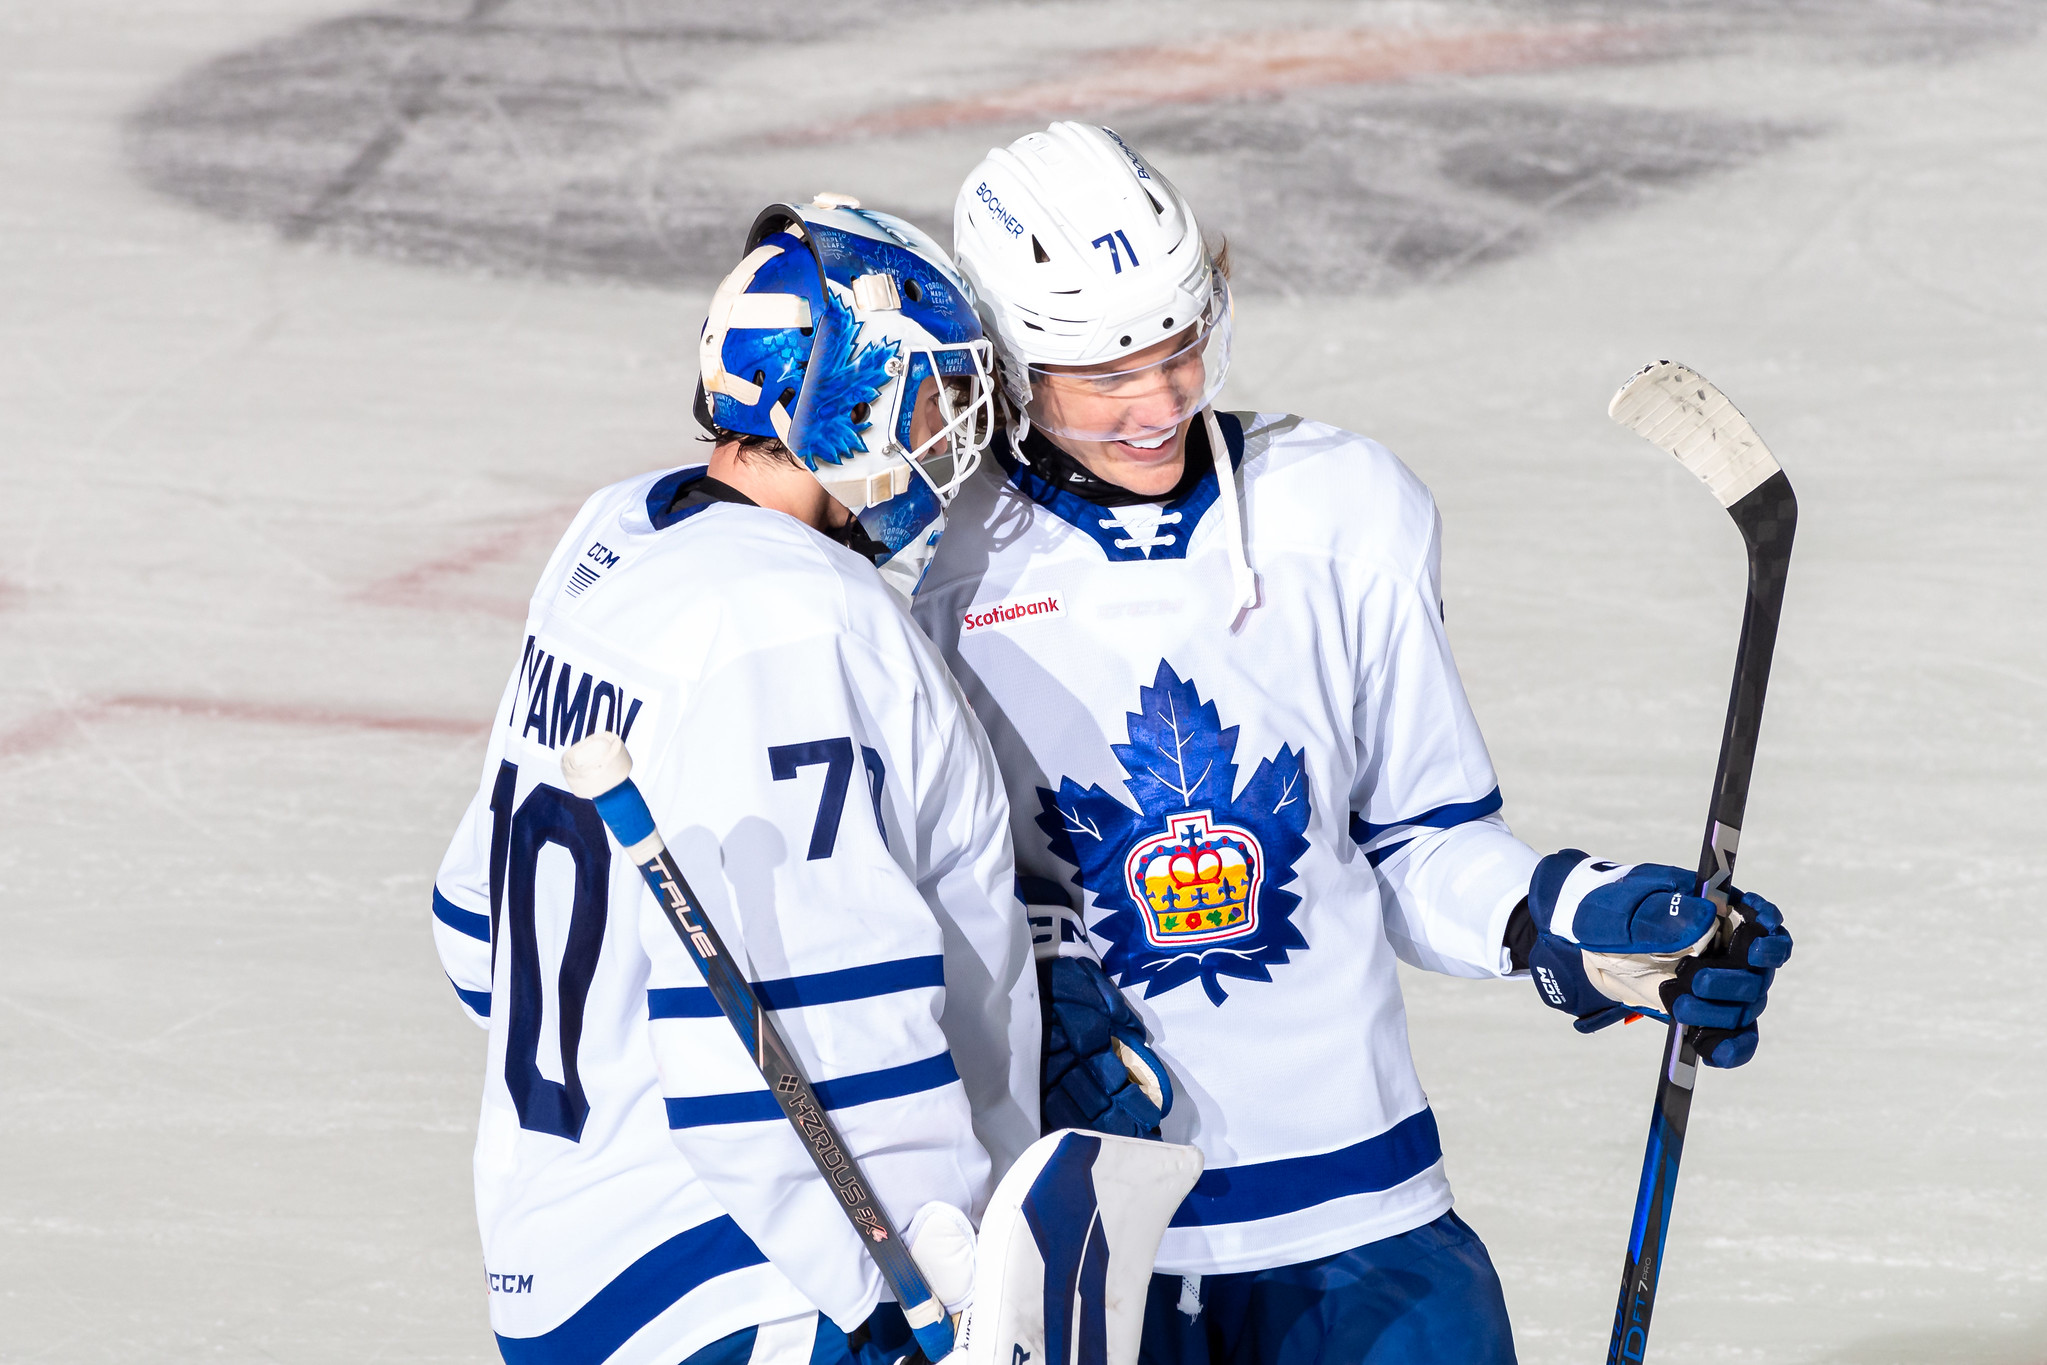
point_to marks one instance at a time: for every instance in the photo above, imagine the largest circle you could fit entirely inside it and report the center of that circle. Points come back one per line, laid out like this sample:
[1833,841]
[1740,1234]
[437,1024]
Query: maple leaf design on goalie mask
[847,376]
[1194,878]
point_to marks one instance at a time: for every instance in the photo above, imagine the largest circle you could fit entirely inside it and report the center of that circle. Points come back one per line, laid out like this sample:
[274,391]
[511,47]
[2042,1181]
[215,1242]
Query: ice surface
[314,336]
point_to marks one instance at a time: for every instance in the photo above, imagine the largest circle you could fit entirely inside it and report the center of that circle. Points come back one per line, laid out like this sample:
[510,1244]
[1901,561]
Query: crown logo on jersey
[1190,885]
[1198,881]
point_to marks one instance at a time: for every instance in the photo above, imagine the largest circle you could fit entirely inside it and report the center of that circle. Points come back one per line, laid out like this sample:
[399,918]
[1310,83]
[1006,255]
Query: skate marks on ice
[481,579]
[473,579]
[55,726]
[1247,65]
[1377,191]
[524,136]
[1872,31]
[449,582]
[627,141]
[2006,1342]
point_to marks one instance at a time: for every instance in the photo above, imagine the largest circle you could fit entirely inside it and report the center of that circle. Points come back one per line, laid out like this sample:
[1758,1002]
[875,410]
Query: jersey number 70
[550,815]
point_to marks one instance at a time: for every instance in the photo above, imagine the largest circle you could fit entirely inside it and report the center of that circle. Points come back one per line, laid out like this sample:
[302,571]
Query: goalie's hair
[754,450]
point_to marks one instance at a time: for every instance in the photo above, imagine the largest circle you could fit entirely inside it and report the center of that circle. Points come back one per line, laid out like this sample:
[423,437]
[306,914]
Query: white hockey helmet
[1080,252]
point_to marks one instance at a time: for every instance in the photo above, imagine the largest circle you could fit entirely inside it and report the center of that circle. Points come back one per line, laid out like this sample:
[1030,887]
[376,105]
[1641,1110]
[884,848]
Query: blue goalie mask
[847,335]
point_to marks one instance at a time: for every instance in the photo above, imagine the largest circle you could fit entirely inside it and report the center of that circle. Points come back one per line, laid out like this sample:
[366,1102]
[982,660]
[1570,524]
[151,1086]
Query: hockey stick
[1680,412]
[599,770]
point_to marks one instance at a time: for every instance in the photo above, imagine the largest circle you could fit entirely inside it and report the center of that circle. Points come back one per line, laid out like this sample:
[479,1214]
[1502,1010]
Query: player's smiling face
[1141,401]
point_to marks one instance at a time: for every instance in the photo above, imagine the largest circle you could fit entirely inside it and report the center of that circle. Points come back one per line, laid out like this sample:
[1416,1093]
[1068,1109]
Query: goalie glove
[1619,939]
[1099,1071]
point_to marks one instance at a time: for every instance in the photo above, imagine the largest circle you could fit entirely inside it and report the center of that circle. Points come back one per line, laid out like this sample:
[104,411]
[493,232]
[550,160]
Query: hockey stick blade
[1674,408]
[1677,411]
[598,769]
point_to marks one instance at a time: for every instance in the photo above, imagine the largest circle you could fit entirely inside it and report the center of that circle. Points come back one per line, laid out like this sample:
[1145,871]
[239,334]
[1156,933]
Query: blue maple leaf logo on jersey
[1193,879]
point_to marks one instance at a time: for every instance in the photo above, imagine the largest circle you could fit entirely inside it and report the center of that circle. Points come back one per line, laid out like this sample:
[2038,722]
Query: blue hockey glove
[1097,1065]
[1724,989]
[1618,939]
[1099,1072]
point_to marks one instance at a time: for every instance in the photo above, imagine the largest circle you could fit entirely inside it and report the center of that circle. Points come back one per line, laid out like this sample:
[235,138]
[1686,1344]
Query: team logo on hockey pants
[1193,878]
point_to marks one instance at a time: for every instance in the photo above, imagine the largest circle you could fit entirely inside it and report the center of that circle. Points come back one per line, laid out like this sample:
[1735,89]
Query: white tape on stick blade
[1677,410]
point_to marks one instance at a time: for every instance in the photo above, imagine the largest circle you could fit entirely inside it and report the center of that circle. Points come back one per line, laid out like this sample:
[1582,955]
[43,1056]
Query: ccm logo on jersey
[583,577]
[511,1284]
[1010,612]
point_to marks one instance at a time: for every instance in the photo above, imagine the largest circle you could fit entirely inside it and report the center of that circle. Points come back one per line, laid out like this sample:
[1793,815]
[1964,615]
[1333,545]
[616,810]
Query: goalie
[641,1199]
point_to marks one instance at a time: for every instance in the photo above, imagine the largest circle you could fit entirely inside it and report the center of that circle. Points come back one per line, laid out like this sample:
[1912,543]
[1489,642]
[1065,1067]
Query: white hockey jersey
[835,806]
[1253,824]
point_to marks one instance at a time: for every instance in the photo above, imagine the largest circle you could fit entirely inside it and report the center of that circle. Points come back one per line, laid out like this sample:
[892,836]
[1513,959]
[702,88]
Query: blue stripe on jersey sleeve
[460,920]
[819,988]
[476,1000]
[639,1294]
[865,1087]
[682,1002]
[1266,1189]
[1442,817]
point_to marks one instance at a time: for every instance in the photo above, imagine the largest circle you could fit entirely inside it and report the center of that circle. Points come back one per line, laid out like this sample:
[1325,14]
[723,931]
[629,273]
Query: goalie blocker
[1066,1250]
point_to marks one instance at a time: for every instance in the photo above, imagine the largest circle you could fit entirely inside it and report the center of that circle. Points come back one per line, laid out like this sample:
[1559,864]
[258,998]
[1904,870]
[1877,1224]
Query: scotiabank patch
[1017,609]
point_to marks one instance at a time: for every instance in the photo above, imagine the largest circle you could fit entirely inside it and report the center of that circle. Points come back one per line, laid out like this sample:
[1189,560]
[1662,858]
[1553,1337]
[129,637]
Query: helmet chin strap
[1243,582]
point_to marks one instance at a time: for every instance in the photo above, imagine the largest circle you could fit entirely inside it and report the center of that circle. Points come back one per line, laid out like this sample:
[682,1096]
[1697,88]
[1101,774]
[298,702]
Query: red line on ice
[1263,63]
[53,727]
[426,585]
[287,713]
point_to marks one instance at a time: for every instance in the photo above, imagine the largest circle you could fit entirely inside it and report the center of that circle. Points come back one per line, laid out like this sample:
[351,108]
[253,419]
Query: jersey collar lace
[1055,481]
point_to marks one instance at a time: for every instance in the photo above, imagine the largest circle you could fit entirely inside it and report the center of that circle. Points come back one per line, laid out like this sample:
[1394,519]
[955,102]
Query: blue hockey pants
[813,1340]
[1426,1297]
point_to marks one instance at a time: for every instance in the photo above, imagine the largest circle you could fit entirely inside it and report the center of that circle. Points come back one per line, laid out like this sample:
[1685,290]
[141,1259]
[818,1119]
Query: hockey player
[1244,779]
[826,790]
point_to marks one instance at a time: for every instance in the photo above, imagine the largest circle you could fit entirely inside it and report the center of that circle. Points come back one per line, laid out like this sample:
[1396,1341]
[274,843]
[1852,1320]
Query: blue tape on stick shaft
[625,813]
[936,1339]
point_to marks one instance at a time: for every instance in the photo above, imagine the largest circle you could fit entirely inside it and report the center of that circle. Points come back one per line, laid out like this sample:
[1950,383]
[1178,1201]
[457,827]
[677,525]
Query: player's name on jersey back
[557,702]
